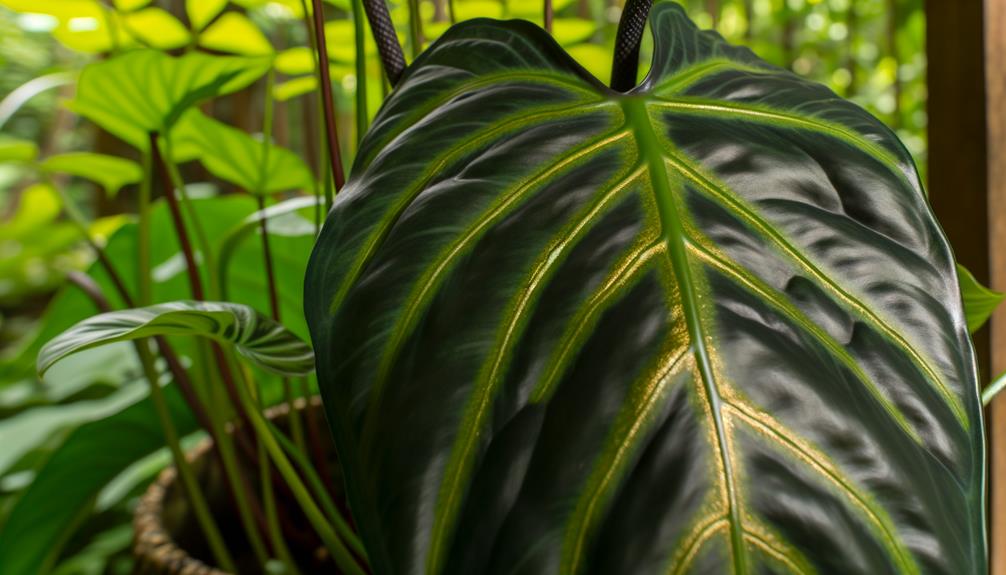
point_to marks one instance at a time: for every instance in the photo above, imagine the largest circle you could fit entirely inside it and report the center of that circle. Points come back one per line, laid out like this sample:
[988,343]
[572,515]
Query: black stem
[630,34]
[392,55]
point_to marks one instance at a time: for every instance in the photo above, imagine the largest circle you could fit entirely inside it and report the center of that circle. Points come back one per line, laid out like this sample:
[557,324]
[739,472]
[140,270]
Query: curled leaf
[261,340]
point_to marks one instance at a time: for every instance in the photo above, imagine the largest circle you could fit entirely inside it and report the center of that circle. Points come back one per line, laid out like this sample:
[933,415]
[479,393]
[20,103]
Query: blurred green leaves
[36,247]
[110,172]
[15,150]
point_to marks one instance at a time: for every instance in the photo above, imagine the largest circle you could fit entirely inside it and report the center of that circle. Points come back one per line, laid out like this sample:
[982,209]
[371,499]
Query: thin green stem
[340,553]
[239,488]
[993,389]
[317,451]
[415,29]
[310,147]
[143,233]
[265,481]
[318,487]
[271,515]
[270,274]
[196,497]
[360,37]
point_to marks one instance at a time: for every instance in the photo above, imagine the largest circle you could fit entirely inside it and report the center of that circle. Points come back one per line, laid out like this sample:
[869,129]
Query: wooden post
[959,189]
[995,57]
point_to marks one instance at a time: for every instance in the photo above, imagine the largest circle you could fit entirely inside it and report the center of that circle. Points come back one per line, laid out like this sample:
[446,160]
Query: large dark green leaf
[710,326]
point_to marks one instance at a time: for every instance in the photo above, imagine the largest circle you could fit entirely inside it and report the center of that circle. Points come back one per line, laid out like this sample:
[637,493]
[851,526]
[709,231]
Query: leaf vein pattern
[752,284]
[759,224]
[447,158]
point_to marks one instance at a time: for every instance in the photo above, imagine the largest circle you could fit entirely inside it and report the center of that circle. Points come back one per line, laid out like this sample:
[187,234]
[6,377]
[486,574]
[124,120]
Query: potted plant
[702,322]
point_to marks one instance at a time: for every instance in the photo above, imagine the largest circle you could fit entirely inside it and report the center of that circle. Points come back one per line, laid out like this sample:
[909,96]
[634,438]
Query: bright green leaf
[235,33]
[83,25]
[296,87]
[341,38]
[157,28]
[295,61]
[234,156]
[201,12]
[39,206]
[148,91]
[532,9]
[570,31]
[261,340]
[15,150]
[110,172]
[979,301]
[478,9]
[130,5]
[596,59]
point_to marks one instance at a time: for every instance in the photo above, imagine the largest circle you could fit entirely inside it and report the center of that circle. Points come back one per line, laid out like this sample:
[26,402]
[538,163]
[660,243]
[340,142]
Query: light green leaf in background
[246,282]
[148,91]
[295,61]
[130,5]
[293,88]
[83,24]
[157,28]
[596,59]
[341,41]
[261,340]
[110,172]
[17,150]
[233,155]
[201,12]
[236,34]
[532,9]
[479,9]
[979,301]
[569,31]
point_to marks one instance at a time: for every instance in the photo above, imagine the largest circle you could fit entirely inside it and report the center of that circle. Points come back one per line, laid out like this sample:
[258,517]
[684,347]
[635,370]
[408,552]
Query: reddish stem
[195,282]
[331,131]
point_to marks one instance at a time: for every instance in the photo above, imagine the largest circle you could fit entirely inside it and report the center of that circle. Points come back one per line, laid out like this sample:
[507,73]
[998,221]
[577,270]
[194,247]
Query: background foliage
[871,51]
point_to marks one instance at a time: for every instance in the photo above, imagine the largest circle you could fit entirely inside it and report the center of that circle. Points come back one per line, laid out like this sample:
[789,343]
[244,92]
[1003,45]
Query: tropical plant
[508,375]
[703,323]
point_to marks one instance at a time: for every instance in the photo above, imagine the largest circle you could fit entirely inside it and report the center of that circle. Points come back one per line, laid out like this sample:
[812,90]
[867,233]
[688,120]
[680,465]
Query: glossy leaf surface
[258,338]
[710,326]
